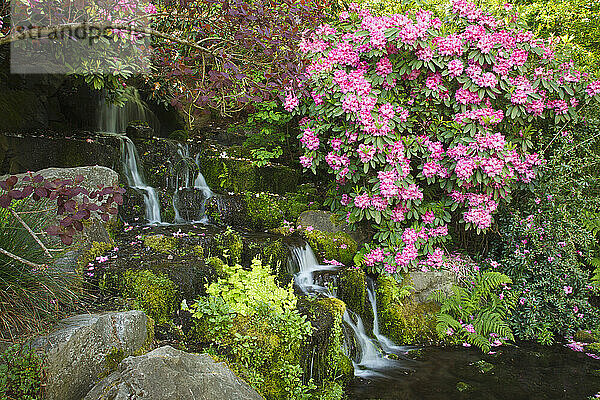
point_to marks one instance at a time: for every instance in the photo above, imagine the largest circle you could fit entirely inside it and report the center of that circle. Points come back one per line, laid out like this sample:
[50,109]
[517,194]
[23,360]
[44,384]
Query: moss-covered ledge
[324,357]
[402,319]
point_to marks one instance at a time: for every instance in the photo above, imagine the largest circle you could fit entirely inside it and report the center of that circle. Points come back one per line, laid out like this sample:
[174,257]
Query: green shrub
[155,294]
[21,374]
[263,342]
[549,237]
[244,290]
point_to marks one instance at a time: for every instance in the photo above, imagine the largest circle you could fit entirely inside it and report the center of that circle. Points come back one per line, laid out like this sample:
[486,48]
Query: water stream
[183,180]
[372,358]
[135,180]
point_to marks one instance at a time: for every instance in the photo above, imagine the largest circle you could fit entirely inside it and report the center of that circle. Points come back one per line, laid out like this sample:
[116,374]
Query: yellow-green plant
[243,290]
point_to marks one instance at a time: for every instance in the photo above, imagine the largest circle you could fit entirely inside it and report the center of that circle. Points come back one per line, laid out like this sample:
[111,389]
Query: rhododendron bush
[422,121]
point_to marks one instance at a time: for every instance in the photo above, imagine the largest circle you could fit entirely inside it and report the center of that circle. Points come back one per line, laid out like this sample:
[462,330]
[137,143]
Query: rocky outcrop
[86,347]
[167,373]
[425,283]
[326,222]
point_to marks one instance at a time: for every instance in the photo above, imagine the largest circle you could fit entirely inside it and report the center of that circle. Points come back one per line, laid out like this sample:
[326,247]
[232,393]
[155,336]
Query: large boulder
[86,347]
[167,373]
[93,176]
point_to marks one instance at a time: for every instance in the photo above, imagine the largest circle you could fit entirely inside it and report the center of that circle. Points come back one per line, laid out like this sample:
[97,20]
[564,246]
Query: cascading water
[371,360]
[183,181]
[114,119]
[135,180]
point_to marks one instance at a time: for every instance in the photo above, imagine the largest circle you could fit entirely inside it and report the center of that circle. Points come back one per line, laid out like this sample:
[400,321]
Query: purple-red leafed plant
[74,203]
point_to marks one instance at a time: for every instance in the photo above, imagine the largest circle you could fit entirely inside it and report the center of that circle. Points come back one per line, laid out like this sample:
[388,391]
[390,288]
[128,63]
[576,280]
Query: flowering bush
[422,120]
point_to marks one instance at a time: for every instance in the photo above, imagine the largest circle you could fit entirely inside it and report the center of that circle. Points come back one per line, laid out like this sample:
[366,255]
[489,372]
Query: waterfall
[135,180]
[372,353]
[183,180]
[114,119]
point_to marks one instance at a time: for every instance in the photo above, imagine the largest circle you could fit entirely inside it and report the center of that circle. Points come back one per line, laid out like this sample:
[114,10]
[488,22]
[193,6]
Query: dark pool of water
[524,372]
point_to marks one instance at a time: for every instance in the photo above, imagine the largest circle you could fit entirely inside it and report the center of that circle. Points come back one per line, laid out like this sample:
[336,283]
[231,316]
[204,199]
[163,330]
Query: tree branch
[22,260]
[39,33]
[32,233]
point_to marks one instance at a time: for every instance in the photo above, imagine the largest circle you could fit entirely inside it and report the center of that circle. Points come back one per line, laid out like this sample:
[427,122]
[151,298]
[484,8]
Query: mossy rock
[161,243]
[155,294]
[403,320]
[179,135]
[240,175]
[337,246]
[324,358]
[352,290]
[254,211]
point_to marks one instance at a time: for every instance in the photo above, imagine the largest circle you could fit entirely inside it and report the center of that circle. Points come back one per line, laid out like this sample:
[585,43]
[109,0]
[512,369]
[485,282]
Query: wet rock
[139,130]
[190,202]
[167,373]
[82,349]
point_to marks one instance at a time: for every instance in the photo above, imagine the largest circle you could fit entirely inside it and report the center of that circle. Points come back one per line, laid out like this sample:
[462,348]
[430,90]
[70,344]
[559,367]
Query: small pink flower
[568,289]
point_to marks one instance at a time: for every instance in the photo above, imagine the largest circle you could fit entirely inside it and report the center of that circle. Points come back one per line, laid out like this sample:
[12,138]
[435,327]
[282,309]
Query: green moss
[228,245]
[263,211]
[332,246]
[592,348]
[584,336]
[198,251]
[353,289]
[161,243]
[112,361]
[403,320]
[155,294]
[463,387]
[325,354]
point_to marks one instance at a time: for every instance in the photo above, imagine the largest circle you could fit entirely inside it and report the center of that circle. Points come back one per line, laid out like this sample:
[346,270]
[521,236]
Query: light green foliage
[258,328]
[402,319]
[331,391]
[161,243]
[21,374]
[155,294]
[268,131]
[245,290]
[332,246]
[483,307]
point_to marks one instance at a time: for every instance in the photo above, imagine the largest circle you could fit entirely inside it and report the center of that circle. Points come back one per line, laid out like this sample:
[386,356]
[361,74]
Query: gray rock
[325,221]
[93,176]
[167,373]
[425,283]
[82,348]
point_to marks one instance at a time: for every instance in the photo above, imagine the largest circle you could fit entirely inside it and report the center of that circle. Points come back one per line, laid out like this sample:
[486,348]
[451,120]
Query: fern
[483,308]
